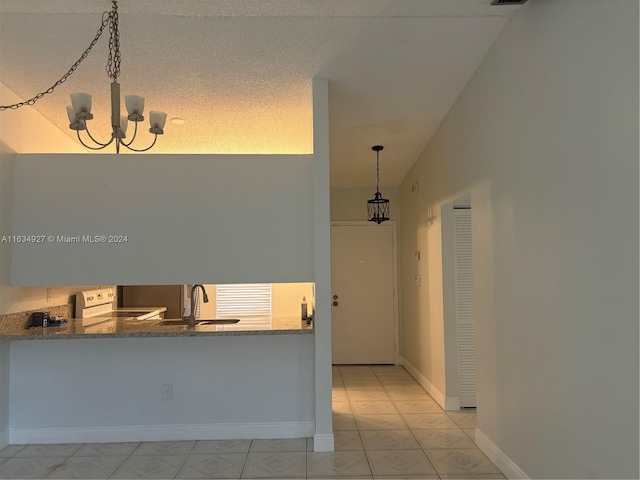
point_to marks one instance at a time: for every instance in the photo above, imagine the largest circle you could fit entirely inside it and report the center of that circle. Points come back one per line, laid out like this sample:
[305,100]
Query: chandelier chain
[113,62]
[107,19]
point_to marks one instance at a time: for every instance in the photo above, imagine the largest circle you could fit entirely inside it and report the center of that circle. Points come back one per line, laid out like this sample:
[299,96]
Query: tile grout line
[125,460]
[63,462]
[185,459]
[246,459]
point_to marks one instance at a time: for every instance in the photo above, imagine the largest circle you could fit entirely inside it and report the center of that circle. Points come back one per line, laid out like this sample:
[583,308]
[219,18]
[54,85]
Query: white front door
[363,288]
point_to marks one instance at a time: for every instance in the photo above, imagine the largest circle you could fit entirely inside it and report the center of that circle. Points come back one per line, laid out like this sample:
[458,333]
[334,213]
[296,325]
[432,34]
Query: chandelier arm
[135,132]
[94,140]
[155,138]
[103,145]
[106,19]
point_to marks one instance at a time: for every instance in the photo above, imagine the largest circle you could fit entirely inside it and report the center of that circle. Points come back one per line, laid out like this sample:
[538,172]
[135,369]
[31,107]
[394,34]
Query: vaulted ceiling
[238,72]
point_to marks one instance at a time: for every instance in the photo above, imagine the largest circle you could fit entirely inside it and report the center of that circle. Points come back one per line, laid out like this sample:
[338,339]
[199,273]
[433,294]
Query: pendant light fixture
[377,207]
[80,110]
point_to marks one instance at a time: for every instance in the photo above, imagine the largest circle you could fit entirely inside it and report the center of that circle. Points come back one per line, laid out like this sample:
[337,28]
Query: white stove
[101,303]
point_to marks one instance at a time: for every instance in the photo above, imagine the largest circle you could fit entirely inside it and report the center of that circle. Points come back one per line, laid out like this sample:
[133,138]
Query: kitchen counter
[119,327]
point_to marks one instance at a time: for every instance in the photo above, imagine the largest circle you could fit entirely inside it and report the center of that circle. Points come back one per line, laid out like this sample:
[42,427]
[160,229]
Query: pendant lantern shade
[377,207]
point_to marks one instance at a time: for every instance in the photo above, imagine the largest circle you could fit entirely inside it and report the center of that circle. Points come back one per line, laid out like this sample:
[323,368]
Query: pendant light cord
[378,171]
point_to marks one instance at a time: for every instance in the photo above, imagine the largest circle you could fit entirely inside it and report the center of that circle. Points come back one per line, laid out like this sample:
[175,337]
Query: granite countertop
[123,327]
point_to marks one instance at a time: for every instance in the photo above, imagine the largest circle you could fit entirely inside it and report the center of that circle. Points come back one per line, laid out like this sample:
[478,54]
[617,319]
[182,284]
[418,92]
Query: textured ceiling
[239,72]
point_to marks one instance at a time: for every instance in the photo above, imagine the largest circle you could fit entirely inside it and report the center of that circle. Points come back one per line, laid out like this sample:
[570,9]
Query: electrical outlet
[48,295]
[167,391]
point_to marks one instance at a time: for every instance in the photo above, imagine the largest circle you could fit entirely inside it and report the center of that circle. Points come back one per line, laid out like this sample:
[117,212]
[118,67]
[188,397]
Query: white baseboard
[498,457]
[145,433]
[437,395]
[4,438]
[323,442]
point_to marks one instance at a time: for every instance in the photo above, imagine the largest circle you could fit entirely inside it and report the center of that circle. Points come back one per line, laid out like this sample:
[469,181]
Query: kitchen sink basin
[172,322]
[178,322]
[221,321]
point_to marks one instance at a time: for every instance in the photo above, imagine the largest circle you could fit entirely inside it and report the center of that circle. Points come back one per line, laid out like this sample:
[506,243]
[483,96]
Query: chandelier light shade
[157,120]
[377,207]
[135,107]
[80,110]
[81,104]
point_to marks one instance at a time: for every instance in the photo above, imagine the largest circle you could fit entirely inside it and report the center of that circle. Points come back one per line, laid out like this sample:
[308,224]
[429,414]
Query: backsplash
[15,322]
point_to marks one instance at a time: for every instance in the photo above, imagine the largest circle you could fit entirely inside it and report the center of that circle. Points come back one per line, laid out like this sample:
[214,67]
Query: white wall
[15,136]
[545,140]
[187,218]
[287,298]
[17,129]
[4,394]
[116,384]
[18,299]
[351,203]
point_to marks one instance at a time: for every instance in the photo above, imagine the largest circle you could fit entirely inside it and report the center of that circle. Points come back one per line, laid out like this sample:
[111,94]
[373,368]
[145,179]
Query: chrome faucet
[192,316]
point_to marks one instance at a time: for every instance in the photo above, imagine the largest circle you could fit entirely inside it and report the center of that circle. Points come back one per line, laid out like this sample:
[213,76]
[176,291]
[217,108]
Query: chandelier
[80,111]
[377,207]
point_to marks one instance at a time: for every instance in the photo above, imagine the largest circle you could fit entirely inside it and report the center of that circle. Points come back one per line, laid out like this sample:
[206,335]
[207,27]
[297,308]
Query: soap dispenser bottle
[304,308]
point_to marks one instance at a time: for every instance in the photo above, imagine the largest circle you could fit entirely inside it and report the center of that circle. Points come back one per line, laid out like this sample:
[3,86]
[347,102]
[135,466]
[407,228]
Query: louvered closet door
[465,322]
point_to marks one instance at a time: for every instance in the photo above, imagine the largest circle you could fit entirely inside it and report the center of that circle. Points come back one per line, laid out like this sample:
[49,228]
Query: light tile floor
[385,426]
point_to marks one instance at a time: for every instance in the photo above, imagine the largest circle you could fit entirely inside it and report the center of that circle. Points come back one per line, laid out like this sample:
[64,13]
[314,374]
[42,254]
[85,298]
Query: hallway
[383,418]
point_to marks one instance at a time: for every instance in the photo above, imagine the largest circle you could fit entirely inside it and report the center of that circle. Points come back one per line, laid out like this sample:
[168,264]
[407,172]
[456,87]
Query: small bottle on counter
[304,308]
[313,310]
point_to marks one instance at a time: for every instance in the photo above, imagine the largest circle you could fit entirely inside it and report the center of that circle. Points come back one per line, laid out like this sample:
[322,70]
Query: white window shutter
[250,302]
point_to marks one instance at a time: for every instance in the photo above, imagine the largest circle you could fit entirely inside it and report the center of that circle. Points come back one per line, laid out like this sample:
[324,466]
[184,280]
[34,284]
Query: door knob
[335,304]
[335,297]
